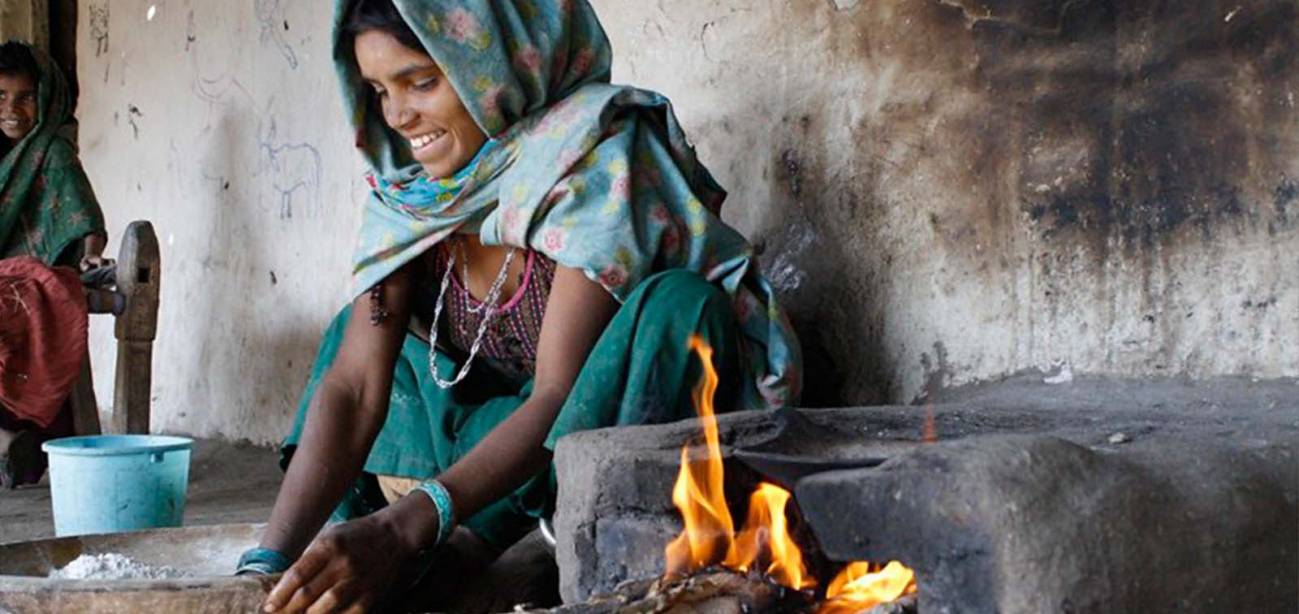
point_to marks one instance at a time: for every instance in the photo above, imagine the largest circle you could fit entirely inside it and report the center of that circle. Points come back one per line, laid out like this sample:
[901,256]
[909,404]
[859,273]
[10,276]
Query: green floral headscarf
[595,176]
[46,202]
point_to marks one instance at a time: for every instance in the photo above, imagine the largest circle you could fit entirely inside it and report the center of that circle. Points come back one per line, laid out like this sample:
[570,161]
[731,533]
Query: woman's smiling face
[17,105]
[419,103]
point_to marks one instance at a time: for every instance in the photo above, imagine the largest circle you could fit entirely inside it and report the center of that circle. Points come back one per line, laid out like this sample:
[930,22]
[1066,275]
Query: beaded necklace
[491,304]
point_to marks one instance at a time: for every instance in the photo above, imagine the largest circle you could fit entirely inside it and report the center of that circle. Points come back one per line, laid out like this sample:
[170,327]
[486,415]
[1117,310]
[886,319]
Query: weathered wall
[25,20]
[951,190]
[945,190]
[220,122]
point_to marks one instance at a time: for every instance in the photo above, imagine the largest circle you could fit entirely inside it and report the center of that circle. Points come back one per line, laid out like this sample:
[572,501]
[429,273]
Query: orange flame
[766,531]
[709,533]
[698,493]
[857,588]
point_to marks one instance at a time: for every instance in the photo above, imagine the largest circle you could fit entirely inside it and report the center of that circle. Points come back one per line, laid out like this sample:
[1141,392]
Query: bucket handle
[155,457]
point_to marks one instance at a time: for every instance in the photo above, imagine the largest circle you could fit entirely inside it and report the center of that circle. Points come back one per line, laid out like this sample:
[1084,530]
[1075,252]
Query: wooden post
[138,270]
[85,410]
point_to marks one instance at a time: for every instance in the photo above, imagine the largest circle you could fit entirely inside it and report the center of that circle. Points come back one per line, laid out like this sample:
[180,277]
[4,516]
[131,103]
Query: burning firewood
[709,591]
[718,591]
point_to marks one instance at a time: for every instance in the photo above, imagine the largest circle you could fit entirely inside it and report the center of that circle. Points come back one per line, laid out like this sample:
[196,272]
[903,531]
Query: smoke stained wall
[953,191]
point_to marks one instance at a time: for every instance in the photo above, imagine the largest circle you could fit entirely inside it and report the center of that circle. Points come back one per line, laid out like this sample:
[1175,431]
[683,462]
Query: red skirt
[43,332]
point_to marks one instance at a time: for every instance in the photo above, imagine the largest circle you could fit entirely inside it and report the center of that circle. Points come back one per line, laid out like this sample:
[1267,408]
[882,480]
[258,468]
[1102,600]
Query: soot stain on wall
[1285,195]
[1101,122]
[1048,152]
[1175,110]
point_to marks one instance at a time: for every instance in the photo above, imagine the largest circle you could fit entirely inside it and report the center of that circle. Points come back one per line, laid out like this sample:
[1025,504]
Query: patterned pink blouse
[510,342]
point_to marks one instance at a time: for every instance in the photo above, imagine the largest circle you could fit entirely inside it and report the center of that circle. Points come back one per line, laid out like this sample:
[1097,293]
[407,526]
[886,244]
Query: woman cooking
[539,249]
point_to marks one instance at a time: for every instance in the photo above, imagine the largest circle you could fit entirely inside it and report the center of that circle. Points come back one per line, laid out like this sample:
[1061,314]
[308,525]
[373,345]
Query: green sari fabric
[46,202]
[640,371]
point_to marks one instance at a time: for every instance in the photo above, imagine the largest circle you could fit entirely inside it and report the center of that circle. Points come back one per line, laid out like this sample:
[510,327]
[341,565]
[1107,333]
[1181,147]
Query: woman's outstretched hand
[348,568]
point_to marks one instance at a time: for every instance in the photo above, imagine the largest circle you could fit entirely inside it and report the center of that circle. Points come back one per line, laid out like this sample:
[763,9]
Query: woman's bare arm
[351,564]
[346,414]
[576,315]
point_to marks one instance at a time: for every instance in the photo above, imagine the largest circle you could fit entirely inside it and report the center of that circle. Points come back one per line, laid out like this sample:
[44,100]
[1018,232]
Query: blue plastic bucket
[116,483]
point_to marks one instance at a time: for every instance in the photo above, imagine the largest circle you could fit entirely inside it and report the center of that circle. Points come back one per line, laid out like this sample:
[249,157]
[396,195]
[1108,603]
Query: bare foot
[18,452]
[8,477]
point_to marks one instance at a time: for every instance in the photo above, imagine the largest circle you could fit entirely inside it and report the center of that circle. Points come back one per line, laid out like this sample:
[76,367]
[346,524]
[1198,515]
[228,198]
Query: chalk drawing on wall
[133,112]
[99,33]
[293,170]
[274,25]
[190,32]
[99,27]
[290,173]
[217,90]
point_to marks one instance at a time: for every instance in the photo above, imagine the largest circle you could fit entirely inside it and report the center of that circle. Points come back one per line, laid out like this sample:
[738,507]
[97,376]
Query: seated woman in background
[554,245]
[49,220]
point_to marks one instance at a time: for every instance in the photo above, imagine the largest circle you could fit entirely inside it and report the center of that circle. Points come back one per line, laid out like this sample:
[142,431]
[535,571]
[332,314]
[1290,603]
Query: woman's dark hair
[17,59]
[381,15]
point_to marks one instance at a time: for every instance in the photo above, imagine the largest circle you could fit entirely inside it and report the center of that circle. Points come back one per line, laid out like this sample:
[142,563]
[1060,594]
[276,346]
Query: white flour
[113,566]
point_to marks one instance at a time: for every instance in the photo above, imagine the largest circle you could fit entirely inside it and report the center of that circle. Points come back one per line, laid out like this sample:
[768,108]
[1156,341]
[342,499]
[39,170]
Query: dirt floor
[227,483]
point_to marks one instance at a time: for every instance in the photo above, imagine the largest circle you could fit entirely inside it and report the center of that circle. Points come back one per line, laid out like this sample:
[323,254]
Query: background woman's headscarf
[595,176]
[46,202]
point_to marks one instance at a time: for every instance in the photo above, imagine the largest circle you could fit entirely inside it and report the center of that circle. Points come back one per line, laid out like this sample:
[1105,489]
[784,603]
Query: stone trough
[205,555]
[1043,506]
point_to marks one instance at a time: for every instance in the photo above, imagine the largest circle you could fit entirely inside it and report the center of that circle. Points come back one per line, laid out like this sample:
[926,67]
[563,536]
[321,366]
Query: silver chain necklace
[489,308]
[464,277]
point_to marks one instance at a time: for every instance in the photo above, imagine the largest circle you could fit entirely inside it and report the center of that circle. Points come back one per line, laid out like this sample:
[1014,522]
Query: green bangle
[446,511]
[262,561]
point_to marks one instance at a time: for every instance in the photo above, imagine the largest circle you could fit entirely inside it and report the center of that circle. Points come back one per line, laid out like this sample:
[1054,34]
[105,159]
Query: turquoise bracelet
[263,561]
[446,511]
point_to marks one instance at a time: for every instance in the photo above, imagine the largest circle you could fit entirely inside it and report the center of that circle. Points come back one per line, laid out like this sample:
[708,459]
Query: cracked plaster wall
[944,191]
